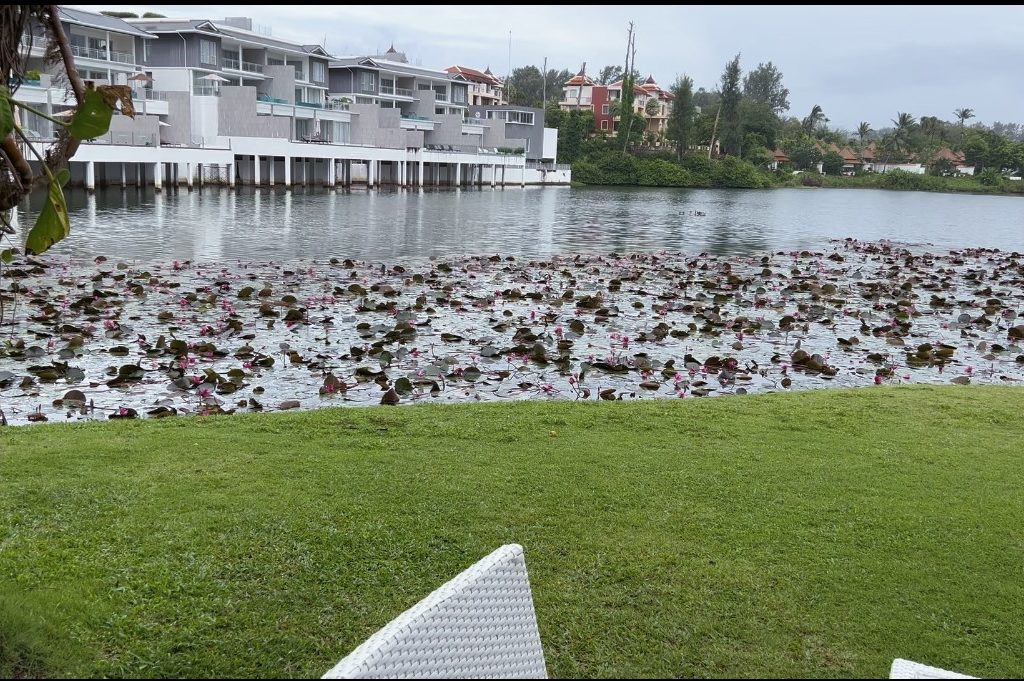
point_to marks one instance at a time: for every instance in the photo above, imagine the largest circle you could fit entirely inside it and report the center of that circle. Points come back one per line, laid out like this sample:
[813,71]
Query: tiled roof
[474,75]
[580,79]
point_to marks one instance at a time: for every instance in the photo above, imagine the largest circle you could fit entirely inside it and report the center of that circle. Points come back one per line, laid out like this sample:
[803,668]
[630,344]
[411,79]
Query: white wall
[172,80]
[550,144]
[534,176]
[205,118]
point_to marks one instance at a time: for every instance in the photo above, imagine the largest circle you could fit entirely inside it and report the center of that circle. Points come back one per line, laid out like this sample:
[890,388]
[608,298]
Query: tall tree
[609,74]
[814,120]
[898,141]
[680,118]
[904,124]
[863,130]
[963,114]
[931,127]
[526,86]
[555,82]
[764,85]
[732,128]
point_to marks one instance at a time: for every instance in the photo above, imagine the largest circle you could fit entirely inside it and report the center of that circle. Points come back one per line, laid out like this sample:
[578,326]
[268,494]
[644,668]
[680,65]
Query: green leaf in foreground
[6,256]
[92,118]
[53,224]
[6,112]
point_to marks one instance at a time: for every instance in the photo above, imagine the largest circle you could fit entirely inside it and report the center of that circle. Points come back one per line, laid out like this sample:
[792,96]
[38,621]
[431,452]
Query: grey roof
[94,20]
[207,25]
[387,65]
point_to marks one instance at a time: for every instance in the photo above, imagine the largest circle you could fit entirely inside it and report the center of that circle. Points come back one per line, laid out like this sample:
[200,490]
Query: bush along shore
[103,340]
[615,168]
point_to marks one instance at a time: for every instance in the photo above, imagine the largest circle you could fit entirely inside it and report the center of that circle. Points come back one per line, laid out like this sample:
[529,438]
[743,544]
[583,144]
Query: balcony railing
[310,105]
[366,90]
[252,67]
[232,64]
[395,91]
[122,57]
[335,105]
[135,139]
[440,96]
[206,91]
[88,52]
[149,95]
[270,100]
[299,74]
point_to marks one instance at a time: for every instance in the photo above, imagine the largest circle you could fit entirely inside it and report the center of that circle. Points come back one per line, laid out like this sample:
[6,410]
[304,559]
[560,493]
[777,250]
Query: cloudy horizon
[862,63]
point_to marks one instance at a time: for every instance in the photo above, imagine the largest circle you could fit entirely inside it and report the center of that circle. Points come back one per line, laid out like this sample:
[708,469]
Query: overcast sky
[858,62]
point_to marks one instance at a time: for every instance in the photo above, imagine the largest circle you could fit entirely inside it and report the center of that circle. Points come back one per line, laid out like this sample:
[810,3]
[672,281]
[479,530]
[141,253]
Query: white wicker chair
[905,669]
[481,624]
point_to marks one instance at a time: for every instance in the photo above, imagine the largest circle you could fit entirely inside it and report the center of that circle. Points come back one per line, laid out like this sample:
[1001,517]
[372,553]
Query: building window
[366,82]
[604,109]
[439,110]
[364,100]
[604,125]
[274,61]
[423,86]
[145,50]
[207,52]
[318,71]
[520,117]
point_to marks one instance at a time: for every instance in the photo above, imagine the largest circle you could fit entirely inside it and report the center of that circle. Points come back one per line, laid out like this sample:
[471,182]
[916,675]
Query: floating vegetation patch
[111,340]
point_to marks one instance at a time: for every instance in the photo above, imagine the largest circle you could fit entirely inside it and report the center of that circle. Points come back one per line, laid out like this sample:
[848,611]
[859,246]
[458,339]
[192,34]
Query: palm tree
[963,114]
[816,118]
[904,123]
[863,130]
[930,127]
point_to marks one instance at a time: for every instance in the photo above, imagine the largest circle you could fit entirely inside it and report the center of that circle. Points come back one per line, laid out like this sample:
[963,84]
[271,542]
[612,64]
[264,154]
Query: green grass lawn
[814,534]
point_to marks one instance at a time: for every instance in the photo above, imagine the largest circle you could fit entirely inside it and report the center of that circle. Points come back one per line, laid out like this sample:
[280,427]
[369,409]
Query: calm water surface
[216,224]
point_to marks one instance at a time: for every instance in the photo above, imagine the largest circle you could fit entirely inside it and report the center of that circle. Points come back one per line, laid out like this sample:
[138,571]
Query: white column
[231,175]
[369,173]
[256,170]
[420,179]
[140,175]
[437,174]
[503,166]
[332,169]
[90,175]
[271,164]
[458,174]
[188,174]
[522,176]
[287,171]
[494,173]
[158,176]
[124,179]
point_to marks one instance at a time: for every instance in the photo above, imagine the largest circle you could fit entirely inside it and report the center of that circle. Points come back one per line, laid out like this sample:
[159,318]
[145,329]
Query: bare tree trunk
[627,80]
[714,131]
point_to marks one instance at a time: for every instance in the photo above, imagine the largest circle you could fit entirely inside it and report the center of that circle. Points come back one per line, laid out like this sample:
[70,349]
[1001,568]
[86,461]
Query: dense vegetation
[745,117]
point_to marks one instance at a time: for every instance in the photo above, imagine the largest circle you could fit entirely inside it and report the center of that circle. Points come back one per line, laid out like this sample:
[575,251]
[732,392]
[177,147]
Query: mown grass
[814,534]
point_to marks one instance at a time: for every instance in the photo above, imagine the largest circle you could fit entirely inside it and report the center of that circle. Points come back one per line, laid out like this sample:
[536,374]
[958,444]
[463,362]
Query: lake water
[215,224]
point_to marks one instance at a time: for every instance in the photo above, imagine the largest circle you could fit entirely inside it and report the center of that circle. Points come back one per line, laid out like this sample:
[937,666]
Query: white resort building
[217,101]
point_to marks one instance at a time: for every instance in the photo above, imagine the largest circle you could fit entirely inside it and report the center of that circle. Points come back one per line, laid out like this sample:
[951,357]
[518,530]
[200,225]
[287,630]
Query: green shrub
[739,174]
[661,173]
